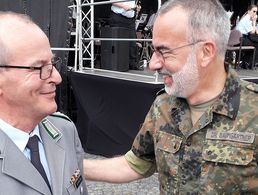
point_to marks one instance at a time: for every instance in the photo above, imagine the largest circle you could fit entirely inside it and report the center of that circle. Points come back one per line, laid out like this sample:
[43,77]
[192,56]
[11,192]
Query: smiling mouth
[51,92]
[163,73]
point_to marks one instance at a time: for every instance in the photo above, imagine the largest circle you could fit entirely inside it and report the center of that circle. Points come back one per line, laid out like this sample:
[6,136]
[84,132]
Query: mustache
[163,72]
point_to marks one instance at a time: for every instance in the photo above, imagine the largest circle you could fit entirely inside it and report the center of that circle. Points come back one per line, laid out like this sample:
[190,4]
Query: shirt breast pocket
[168,142]
[167,146]
[225,165]
[227,152]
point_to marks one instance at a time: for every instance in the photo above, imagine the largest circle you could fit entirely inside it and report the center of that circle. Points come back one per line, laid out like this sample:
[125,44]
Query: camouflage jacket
[218,155]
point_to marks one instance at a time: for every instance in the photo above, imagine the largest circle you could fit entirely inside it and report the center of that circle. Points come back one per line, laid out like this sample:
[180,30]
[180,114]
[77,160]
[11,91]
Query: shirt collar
[229,100]
[19,137]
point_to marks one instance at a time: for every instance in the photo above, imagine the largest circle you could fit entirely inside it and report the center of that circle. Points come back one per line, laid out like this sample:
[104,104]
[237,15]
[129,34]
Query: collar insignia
[51,129]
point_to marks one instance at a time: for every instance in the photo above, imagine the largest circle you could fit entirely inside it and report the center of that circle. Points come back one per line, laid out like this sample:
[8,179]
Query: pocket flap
[168,142]
[217,151]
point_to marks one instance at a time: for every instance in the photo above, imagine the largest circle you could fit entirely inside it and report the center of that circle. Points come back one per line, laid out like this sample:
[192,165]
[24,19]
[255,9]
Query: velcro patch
[242,137]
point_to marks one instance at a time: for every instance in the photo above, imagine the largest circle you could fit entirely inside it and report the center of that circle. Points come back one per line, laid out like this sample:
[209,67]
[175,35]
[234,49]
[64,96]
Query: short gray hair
[207,20]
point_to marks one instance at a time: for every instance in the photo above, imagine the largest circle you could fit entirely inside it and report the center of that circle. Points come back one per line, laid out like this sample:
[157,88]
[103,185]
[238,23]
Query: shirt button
[188,143]
[183,182]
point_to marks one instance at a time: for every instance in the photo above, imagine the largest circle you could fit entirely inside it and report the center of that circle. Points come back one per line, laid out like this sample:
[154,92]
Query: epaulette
[161,92]
[61,115]
[252,87]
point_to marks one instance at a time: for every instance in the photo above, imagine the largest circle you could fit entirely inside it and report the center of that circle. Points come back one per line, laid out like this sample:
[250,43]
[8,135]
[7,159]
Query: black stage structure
[108,108]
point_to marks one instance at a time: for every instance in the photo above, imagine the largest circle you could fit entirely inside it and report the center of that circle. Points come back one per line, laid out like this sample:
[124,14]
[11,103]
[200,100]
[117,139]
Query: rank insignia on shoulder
[61,115]
[51,129]
[76,178]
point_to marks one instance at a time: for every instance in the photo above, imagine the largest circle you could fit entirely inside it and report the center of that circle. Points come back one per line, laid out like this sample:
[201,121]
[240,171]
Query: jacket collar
[229,100]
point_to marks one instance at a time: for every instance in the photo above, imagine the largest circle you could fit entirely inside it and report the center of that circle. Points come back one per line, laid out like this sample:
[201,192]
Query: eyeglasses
[163,55]
[45,70]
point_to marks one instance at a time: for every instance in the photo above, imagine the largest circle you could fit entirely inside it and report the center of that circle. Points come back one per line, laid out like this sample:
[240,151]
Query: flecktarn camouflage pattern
[217,155]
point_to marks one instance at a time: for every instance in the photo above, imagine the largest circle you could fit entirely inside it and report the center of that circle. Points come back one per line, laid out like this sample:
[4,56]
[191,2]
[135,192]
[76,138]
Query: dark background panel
[110,111]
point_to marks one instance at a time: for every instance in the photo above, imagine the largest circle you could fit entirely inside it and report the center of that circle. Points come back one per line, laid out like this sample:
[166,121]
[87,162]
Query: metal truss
[84,32]
[84,35]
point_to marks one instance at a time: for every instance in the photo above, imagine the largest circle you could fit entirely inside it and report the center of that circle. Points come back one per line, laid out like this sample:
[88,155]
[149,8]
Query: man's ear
[207,53]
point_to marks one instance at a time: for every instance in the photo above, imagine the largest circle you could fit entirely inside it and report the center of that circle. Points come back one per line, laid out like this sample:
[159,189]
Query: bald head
[15,30]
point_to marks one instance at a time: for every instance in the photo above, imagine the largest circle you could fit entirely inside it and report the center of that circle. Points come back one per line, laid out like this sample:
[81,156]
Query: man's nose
[56,77]
[155,63]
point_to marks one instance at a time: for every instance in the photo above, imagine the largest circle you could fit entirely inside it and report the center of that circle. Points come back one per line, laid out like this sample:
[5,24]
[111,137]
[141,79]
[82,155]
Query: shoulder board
[61,115]
[161,92]
[252,87]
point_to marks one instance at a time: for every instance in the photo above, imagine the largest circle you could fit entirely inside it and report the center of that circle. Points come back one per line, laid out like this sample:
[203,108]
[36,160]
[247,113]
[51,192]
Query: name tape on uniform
[243,137]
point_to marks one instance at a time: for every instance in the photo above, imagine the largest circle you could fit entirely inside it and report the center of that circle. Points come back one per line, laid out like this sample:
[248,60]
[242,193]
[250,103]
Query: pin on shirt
[76,178]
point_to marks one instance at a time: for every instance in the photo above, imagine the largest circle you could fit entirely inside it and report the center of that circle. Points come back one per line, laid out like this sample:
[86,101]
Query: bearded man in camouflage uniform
[201,135]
